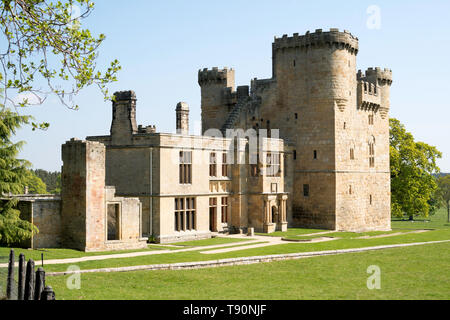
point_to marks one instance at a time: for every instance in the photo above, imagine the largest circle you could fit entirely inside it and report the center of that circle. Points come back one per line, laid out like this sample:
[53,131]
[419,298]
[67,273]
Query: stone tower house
[333,119]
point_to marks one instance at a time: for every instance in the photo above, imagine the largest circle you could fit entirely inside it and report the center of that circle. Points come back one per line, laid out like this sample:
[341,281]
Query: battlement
[146,129]
[384,76]
[215,75]
[344,40]
[77,142]
[369,97]
[125,95]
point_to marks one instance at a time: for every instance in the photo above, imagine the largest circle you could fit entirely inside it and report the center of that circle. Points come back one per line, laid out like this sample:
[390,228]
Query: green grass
[292,232]
[406,273]
[210,242]
[190,256]
[348,235]
[50,254]
[437,221]
[61,253]
[347,241]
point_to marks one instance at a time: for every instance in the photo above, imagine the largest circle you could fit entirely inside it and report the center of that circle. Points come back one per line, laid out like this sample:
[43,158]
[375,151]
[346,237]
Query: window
[224,208]
[294,63]
[352,154]
[254,167]
[212,165]
[273,168]
[371,199]
[372,154]
[371,119]
[225,165]
[185,167]
[295,154]
[212,214]
[185,217]
[113,222]
[350,190]
[296,116]
[315,154]
[345,125]
[306,190]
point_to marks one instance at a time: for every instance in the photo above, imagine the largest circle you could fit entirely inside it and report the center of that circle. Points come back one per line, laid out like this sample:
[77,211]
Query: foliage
[44,51]
[13,174]
[51,179]
[33,183]
[444,193]
[412,167]
[45,43]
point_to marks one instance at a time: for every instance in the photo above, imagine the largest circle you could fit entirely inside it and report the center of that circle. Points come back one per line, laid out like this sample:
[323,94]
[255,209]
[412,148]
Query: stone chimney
[124,118]
[182,118]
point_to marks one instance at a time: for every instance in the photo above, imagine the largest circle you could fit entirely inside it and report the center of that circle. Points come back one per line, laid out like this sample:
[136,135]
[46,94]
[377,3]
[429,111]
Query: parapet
[146,129]
[216,75]
[344,40]
[125,95]
[368,96]
[75,141]
[384,76]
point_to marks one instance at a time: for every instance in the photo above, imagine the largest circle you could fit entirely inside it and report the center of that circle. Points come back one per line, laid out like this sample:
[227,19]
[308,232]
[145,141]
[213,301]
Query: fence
[30,284]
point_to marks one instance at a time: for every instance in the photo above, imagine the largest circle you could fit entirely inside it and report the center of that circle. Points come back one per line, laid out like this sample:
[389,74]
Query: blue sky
[161,45]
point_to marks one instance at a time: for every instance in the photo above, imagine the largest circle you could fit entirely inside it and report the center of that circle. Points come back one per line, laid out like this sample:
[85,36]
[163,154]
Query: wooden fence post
[29,281]
[40,283]
[48,294]
[21,285]
[10,280]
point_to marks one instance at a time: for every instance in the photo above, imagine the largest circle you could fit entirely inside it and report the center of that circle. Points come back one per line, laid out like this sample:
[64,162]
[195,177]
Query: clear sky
[161,45]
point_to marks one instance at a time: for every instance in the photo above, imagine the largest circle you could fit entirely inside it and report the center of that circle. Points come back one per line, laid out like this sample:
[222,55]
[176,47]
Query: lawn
[69,253]
[406,273]
[437,221]
[292,232]
[442,232]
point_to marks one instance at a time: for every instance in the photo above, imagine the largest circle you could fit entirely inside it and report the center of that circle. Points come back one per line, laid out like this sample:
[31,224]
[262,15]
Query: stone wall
[85,199]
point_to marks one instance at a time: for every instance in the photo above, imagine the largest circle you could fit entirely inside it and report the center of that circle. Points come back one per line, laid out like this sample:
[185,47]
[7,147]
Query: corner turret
[381,79]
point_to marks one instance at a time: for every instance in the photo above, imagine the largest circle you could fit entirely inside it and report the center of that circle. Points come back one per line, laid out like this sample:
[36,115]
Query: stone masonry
[328,168]
[333,119]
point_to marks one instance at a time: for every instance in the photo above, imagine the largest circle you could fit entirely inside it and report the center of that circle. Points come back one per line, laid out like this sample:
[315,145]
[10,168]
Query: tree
[412,167]
[33,183]
[46,51]
[46,45]
[444,193]
[51,179]
[13,173]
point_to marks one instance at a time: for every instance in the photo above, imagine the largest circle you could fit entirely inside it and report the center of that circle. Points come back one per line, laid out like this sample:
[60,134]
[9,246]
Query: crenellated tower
[215,85]
[334,121]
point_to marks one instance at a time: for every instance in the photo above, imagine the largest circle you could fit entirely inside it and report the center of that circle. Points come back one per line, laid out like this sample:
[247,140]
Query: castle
[326,167]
